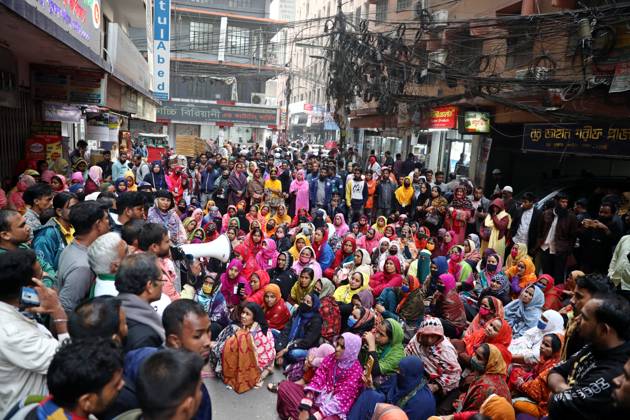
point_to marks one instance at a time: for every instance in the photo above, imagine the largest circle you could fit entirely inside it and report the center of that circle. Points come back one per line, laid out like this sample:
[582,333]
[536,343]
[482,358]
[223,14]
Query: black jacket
[141,335]
[534,228]
[310,338]
[592,373]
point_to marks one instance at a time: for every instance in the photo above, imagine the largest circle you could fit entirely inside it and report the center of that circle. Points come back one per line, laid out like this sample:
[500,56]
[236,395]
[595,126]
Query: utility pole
[337,61]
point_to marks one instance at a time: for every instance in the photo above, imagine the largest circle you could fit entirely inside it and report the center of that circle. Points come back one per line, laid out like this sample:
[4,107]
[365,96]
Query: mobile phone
[240,288]
[29,297]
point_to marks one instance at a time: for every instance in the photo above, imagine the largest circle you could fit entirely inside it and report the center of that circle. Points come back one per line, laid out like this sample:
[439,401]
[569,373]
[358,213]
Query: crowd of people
[381,290]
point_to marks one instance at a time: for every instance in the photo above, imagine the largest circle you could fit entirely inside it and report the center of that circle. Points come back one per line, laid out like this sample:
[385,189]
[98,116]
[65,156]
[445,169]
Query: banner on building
[215,113]
[162,48]
[444,117]
[584,139]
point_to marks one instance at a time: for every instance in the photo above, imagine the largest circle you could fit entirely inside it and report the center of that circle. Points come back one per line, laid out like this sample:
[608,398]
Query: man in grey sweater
[74,276]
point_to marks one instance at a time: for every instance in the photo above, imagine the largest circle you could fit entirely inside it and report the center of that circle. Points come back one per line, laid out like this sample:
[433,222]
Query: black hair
[485,349]
[556,344]
[582,202]
[439,173]
[175,312]
[106,194]
[82,367]
[594,283]
[82,143]
[36,191]
[16,271]
[131,231]
[62,198]
[615,312]
[84,215]
[128,200]
[97,317]
[309,271]
[529,196]
[389,330]
[259,315]
[135,271]
[561,196]
[151,233]
[166,378]
[5,214]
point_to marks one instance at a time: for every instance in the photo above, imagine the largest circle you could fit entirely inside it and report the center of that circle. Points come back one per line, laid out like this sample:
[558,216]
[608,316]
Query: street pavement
[253,404]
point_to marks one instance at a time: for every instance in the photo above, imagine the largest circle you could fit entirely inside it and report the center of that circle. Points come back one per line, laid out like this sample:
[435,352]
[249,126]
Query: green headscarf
[391,354]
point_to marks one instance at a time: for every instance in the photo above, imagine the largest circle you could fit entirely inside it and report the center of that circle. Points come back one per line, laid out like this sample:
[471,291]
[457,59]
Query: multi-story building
[221,59]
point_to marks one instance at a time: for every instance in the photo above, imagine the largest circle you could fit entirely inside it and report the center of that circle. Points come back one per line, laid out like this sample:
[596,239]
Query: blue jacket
[48,243]
[313,185]
[326,257]
[207,181]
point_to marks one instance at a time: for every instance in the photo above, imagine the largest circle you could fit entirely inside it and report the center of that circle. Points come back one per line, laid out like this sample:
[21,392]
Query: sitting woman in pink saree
[333,389]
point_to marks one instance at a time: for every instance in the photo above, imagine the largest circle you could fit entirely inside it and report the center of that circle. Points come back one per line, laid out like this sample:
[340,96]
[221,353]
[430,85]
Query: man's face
[506,195]
[195,335]
[122,157]
[137,160]
[621,393]
[164,248]
[64,213]
[44,202]
[102,400]
[107,157]
[563,202]
[203,159]
[477,194]
[102,224]
[135,213]
[588,327]
[526,204]
[19,232]
[439,178]
[157,285]
[579,299]
[605,214]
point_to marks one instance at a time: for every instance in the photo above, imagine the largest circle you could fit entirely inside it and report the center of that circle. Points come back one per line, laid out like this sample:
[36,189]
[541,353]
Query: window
[381,10]
[239,4]
[238,41]
[200,36]
[403,5]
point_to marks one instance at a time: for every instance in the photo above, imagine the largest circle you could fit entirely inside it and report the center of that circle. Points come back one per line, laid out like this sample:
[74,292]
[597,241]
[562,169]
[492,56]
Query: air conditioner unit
[439,18]
[258,98]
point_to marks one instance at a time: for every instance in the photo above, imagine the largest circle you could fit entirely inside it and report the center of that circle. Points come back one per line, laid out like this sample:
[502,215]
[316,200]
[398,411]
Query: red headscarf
[502,341]
[278,315]
[258,296]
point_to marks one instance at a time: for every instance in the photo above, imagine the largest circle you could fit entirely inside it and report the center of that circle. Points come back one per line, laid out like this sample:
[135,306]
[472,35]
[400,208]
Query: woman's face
[543,282]
[485,303]
[319,236]
[305,280]
[423,188]
[191,226]
[358,258]
[233,223]
[355,229]
[520,267]
[546,349]
[495,284]
[164,203]
[381,335]
[492,328]
[370,233]
[254,282]
[247,317]
[264,211]
[406,232]
[156,169]
[282,261]
[356,281]
[347,247]
[55,183]
[527,295]
[300,243]
[270,299]
[231,234]
[447,238]
[380,222]
[338,220]
[466,247]
[435,192]
[233,273]
[340,348]
[232,211]
[253,211]
[390,268]
[389,231]
[305,256]
[256,237]
[492,260]
[308,300]
[122,187]
[428,340]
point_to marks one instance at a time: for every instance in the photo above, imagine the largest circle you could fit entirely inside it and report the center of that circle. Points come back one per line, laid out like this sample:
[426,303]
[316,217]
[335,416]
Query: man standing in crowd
[120,167]
[90,220]
[38,198]
[106,165]
[129,206]
[582,385]
[27,348]
[598,238]
[526,223]
[356,195]
[559,231]
[384,196]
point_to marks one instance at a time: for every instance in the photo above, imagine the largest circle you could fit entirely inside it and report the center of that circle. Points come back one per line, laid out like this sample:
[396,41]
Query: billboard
[162,48]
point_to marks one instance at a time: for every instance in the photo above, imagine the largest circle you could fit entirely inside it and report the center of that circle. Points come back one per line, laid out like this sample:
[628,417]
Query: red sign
[444,117]
[308,107]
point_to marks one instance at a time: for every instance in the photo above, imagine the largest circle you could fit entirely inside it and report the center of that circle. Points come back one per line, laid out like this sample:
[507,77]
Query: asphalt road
[253,404]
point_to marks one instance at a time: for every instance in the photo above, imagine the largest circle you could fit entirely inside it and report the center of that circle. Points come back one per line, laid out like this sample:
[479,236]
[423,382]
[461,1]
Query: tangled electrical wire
[383,66]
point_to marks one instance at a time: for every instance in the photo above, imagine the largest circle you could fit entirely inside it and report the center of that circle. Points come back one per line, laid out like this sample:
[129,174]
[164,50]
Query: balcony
[127,63]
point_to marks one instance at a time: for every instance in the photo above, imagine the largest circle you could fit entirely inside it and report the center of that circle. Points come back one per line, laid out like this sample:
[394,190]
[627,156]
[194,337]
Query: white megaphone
[220,248]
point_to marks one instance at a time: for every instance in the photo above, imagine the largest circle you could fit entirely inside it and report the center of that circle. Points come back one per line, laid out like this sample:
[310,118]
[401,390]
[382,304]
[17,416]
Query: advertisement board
[582,139]
[162,48]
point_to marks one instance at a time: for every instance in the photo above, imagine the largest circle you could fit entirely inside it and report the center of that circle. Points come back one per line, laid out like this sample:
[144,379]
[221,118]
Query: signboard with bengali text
[214,113]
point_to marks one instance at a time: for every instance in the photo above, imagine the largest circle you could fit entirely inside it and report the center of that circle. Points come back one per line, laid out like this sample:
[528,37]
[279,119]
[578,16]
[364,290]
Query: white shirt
[26,350]
[549,243]
[523,229]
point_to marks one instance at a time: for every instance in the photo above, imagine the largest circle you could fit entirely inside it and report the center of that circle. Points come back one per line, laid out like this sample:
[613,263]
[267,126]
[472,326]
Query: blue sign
[162,48]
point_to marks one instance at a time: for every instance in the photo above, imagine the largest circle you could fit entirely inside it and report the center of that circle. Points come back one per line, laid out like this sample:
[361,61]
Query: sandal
[271,387]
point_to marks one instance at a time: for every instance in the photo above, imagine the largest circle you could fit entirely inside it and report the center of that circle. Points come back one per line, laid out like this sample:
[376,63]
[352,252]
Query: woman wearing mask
[517,253]
[522,276]
[213,302]
[458,213]
[389,277]
[459,268]
[496,332]
[491,370]
[301,332]
[334,388]
[408,389]
[447,305]
[526,348]
[361,319]
[439,357]
[439,266]
[307,260]
[524,312]
[489,308]
[248,355]
[267,257]
[283,275]
[242,252]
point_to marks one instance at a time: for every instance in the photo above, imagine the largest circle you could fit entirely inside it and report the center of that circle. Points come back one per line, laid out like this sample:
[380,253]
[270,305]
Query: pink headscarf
[267,258]
[369,244]
[343,228]
[319,353]
[449,282]
[77,177]
[352,344]
[95,174]
[15,198]
[197,216]
[47,175]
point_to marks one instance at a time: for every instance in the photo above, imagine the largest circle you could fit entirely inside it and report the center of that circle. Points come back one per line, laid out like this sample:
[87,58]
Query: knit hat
[431,325]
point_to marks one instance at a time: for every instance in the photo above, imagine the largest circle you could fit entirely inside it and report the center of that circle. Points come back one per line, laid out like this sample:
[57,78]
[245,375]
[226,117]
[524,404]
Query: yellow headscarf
[403,194]
[294,251]
[496,364]
[129,174]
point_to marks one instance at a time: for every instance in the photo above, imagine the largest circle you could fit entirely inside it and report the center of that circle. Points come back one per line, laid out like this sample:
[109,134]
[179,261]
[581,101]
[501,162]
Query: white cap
[496,171]
[508,189]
